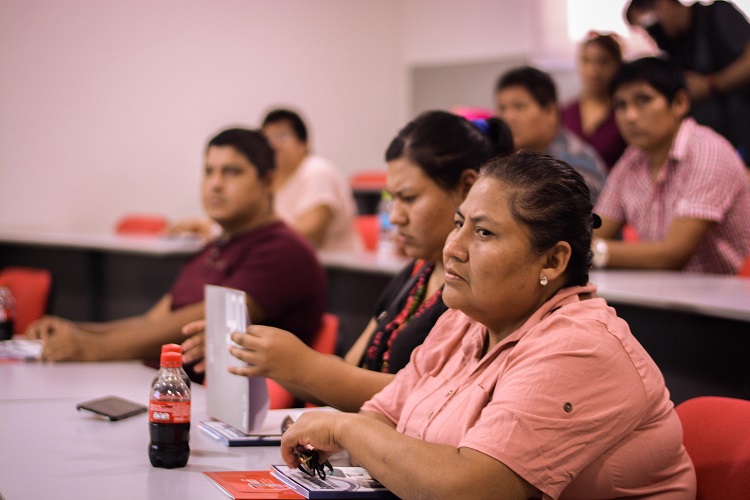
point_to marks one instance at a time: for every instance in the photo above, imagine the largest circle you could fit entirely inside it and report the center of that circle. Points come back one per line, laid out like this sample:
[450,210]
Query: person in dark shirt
[256,253]
[711,44]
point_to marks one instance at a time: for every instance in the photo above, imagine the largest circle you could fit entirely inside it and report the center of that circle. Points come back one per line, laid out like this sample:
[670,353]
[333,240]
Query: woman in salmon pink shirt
[530,386]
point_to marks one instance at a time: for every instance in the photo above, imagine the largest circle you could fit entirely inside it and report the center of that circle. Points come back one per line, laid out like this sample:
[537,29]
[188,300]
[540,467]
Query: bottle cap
[171,360]
[171,348]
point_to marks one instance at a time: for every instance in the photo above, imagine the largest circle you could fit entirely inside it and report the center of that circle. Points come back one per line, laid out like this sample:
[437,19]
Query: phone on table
[112,407]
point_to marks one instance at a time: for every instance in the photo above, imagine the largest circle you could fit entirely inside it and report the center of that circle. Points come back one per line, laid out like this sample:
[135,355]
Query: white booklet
[343,482]
[23,349]
[239,402]
[269,434]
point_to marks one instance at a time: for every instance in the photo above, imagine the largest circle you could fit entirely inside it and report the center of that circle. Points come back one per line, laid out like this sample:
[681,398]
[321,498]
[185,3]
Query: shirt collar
[474,340]
[676,154]
[682,140]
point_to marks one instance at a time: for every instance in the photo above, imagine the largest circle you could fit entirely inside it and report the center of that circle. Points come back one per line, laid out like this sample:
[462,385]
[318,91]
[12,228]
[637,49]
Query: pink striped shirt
[703,178]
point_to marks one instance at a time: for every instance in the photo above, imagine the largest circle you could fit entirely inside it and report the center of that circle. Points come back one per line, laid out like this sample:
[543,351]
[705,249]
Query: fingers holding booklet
[310,433]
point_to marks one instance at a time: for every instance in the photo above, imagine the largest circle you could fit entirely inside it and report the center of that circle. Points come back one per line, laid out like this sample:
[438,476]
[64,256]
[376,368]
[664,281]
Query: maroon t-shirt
[273,265]
[606,139]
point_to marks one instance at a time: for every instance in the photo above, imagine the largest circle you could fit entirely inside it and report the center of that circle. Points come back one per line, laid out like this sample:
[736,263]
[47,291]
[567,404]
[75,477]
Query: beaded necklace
[414,305]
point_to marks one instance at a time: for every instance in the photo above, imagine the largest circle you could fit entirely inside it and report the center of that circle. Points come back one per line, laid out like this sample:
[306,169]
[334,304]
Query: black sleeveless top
[404,318]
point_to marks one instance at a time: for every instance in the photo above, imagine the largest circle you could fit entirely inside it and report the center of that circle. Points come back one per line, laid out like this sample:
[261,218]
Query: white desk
[110,242]
[102,276]
[363,262]
[710,295]
[48,449]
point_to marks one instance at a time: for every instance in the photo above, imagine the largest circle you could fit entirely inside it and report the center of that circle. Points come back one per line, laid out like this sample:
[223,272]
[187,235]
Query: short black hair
[443,145]
[663,76]
[290,117]
[639,4]
[552,200]
[249,143]
[538,83]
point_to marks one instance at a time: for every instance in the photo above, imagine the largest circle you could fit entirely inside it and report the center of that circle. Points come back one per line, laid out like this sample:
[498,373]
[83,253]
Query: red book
[250,485]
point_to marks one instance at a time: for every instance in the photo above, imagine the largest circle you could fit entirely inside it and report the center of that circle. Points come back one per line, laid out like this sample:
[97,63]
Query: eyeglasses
[309,459]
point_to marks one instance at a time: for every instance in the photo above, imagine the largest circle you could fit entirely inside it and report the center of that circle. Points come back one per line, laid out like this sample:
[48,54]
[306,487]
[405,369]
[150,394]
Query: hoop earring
[543,280]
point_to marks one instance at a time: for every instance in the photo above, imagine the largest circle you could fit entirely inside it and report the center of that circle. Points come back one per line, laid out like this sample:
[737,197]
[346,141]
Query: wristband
[600,256]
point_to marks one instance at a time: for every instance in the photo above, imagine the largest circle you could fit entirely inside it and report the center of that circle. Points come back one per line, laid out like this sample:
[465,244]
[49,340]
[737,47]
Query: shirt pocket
[459,412]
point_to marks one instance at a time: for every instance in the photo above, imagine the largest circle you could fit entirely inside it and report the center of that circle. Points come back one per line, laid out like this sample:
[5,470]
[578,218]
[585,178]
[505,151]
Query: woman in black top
[432,163]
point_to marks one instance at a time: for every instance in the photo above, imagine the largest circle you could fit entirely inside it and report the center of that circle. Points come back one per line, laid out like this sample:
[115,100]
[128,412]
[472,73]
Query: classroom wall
[105,106]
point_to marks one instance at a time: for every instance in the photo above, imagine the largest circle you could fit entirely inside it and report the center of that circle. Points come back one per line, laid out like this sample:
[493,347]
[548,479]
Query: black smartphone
[112,407]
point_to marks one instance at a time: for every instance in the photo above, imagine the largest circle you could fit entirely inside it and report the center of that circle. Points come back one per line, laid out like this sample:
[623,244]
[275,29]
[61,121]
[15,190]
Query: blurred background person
[711,44]
[310,193]
[680,185]
[256,253]
[526,99]
[591,116]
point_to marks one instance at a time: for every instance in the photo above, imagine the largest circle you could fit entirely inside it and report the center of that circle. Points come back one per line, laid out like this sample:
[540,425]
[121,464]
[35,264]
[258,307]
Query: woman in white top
[310,193]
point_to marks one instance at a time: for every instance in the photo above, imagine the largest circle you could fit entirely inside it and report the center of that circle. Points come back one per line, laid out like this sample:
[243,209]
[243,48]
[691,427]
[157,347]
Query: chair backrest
[745,269]
[31,289]
[141,225]
[373,180]
[629,234]
[716,434]
[368,229]
[324,341]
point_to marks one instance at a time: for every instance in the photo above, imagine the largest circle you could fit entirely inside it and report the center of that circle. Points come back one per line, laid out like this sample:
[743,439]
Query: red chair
[368,229]
[716,434]
[31,289]
[324,341]
[745,269]
[141,225]
[372,180]
[629,234]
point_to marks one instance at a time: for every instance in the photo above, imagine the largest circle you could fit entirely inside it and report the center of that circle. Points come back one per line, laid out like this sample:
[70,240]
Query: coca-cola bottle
[178,349]
[169,415]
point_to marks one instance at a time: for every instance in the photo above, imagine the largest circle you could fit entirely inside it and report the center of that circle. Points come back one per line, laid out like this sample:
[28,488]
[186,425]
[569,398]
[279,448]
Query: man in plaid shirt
[681,186]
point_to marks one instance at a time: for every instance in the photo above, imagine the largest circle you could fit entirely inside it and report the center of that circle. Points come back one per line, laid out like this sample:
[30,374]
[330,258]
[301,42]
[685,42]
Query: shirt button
[568,407]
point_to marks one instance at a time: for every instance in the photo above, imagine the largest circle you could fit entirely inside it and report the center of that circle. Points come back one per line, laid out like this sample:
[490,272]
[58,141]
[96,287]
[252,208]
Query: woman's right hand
[270,352]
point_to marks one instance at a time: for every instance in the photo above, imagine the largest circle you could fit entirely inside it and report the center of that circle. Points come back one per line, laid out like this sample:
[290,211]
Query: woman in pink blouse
[530,386]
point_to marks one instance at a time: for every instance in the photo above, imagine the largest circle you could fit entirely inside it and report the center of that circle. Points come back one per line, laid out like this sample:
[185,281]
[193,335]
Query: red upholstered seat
[716,434]
[31,289]
[368,229]
[745,269]
[324,341]
[141,225]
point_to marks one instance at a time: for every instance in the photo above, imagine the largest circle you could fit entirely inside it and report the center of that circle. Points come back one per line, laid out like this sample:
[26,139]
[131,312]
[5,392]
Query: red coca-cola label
[169,412]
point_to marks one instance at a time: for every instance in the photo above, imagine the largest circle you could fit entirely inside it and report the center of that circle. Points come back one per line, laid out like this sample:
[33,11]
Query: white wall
[106,105]
[446,31]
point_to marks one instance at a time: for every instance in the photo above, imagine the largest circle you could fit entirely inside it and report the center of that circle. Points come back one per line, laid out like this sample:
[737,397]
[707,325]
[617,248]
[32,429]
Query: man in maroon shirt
[256,253]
